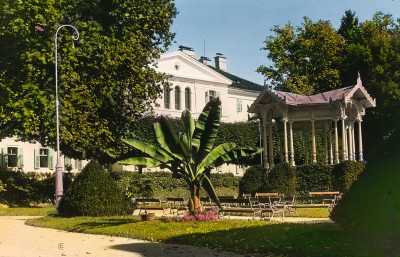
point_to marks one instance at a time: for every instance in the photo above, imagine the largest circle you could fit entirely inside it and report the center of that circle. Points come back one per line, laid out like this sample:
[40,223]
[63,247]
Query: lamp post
[59,168]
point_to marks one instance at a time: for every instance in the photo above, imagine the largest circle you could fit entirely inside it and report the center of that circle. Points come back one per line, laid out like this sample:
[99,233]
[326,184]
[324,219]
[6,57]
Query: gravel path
[20,240]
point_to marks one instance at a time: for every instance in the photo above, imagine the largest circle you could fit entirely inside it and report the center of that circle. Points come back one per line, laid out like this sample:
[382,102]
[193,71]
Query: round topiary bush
[94,193]
[345,174]
[251,181]
[281,179]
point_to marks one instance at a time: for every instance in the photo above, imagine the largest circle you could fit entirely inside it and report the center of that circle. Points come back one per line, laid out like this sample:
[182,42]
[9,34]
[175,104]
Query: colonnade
[348,149]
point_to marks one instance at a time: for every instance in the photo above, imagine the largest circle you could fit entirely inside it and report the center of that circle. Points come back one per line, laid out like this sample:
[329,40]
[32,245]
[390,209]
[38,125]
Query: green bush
[313,177]
[281,179]
[252,180]
[94,193]
[345,174]
[23,189]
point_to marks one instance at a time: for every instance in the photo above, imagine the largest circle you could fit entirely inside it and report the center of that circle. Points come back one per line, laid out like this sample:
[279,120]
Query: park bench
[329,197]
[177,204]
[150,204]
[238,205]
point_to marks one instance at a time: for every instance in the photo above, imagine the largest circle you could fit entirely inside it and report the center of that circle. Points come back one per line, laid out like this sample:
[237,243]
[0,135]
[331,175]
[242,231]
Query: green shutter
[206,97]
[51,159]
[217,93]
[37,158]
[20,158]
[5,157]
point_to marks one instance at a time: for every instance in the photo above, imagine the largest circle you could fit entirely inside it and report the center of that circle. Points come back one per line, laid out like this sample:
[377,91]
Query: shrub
[313,177]
[251,181]
[94,193]
[281,179]
[345,174]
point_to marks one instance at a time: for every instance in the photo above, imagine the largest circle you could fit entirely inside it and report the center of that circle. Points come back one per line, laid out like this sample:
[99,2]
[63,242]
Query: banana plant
[190,154]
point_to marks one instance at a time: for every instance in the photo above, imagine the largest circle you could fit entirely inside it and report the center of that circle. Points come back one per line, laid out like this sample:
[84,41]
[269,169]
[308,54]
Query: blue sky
[237,28]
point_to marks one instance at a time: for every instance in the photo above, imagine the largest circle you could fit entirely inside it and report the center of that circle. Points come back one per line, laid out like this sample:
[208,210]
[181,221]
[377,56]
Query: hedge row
[19,188]
[301,179]
[131,182]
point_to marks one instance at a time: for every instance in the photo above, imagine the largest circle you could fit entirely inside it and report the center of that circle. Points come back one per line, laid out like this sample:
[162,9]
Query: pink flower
[39,28]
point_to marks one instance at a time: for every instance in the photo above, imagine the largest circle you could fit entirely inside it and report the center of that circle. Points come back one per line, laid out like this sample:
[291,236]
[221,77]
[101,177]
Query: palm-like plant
[189,154]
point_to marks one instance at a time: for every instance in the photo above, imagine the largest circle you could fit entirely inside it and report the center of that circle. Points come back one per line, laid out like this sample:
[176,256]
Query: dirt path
[20,240]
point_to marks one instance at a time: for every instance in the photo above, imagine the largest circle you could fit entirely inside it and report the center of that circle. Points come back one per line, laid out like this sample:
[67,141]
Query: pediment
[180,65]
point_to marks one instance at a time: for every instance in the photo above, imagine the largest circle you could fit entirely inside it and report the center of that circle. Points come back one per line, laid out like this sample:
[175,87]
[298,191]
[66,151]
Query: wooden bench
[178,204]
[330,197]
[150,204]
[238,205]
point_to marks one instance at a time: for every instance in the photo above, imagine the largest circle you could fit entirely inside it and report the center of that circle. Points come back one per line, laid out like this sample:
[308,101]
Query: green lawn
[241,236]
[34,211]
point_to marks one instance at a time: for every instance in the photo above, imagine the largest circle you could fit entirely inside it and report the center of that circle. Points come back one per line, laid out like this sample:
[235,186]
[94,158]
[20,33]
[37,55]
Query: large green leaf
[188,126]
[208,186]
[206,129]
[146,161]
[220,151]
[154,151]
[234,155]
[168,139]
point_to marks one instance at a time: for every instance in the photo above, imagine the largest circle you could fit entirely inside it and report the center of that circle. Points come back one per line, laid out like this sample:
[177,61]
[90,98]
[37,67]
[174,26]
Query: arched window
[166,99]
[177,98]
[187,99]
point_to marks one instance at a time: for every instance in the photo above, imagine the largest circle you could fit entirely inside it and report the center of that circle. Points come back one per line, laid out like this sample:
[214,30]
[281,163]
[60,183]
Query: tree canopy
[106,78]
[314,57]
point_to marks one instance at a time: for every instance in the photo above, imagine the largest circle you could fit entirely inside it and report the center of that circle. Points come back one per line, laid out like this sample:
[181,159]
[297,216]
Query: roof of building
[238,82]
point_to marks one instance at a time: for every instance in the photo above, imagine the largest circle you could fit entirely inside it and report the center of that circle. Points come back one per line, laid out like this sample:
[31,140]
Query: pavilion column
[353,144]
[326,146]
[313,142]
[344,140]
[350,146]
[285,138]
[330,148]
[266,164]
[360,145]
[336,143]
[291,144]
[271,148]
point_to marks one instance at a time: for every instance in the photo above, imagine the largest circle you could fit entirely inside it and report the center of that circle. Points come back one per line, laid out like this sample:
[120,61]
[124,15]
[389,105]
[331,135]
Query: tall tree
[107,78]
[305,62]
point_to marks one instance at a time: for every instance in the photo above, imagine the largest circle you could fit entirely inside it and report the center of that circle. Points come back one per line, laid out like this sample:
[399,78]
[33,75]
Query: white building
[25,156]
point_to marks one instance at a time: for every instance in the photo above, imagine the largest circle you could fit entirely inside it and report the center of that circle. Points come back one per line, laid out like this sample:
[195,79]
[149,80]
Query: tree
[107,77]
[189,154]
[307,62]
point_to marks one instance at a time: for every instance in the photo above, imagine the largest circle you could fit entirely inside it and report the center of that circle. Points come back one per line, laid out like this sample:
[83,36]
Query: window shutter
[206,97]
[217,93]
[37,158]
[20,158]
[5,157]
[51,159]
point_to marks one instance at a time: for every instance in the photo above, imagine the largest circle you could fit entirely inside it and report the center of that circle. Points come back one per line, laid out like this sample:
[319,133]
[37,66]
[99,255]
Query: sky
[238,28]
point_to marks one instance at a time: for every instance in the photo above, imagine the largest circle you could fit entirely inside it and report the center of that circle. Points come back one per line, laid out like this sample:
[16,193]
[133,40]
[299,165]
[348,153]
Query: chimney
[205,60]
[220,62]
[187,50]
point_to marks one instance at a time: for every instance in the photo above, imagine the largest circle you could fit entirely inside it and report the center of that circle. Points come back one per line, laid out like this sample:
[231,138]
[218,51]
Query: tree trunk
[194,203]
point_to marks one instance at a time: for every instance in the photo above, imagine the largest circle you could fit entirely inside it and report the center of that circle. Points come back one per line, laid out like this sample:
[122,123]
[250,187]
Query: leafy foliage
[252,180]
[94,193]
[106,77]
[191,153]
[313,177]
[345,174]
[280,179]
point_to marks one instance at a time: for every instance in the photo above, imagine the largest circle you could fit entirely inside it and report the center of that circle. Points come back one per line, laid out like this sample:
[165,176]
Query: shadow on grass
[112,222]
[287,240]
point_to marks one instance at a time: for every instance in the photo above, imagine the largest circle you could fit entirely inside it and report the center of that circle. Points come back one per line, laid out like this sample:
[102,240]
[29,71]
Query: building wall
[28,157]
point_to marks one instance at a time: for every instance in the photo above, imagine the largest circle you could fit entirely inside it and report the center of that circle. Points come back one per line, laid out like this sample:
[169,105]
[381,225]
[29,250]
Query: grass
[28,211]
[242,236]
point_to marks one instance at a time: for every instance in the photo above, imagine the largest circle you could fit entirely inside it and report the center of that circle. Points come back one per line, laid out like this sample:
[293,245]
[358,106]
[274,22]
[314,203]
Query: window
[12,153]
[166,99]
[187,99]
[211,94]
[78,164]
[177,98]
[43,158]
[239,105]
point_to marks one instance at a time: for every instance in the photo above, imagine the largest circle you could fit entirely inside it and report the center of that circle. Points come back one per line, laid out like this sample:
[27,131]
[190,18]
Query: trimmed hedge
[281,179]
[301,179]
[346,173]
[129,181]
[94,193]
